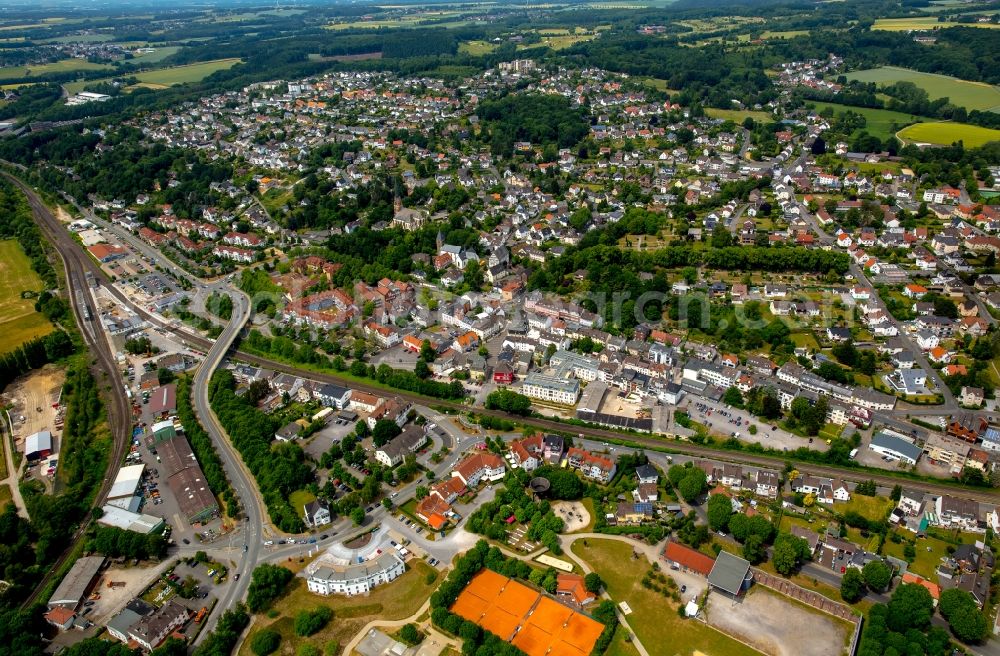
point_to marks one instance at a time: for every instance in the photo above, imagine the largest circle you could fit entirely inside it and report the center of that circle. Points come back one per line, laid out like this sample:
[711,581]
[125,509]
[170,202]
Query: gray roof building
[730,573]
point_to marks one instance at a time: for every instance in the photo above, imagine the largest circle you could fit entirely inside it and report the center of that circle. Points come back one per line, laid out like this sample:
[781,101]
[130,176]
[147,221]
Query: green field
[882,123]
[159,55]
[558,42]
[971,95]
[653,617]
[920,23]
[944,134]
[18,320]
[165,77]
[476,48]
[737,115]
[61,66]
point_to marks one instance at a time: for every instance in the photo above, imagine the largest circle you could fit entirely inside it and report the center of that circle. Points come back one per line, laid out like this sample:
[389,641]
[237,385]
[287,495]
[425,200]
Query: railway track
[76,264]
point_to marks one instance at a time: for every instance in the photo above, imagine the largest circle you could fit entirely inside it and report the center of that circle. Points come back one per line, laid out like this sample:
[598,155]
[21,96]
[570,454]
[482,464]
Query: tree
[358,516]
[408,633]
[266,584]
[508,401]
[733,397]
[693,484]
[265,642]
[427,352]
[164,376]
[754,549]
[421,369]
[910,607]
[789,552]
[877,575]
[852,585]
[308,622]
[965,619]
[384,431]
[720,509]
[593,582]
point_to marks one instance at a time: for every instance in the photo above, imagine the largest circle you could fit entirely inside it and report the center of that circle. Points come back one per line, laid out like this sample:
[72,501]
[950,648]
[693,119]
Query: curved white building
[357,578]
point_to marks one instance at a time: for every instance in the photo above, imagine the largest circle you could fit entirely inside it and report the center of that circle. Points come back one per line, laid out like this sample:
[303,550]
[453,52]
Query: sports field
[971,95]
[945,133]
[881,123]
[18,320]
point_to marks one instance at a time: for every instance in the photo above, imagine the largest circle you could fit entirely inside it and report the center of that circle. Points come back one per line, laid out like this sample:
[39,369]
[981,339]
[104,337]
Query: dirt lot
[113,599]
[39,389]
[573,513]
[777,626]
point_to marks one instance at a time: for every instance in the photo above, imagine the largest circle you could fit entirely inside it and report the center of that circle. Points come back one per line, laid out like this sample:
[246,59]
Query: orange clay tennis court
[537,625]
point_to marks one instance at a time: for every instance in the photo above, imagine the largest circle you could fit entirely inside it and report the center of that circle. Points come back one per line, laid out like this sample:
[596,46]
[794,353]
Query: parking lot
[728,421]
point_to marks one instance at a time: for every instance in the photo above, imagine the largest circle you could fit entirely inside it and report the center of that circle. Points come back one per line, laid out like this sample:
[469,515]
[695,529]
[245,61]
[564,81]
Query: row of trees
[204,449]
[116,543]
[280,469]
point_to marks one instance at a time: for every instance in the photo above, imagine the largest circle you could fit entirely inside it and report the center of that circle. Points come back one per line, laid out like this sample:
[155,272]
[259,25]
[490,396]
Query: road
[75,265]
[242,481]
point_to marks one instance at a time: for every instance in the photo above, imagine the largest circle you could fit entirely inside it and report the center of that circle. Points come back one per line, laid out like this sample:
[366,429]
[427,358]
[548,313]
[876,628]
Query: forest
[541,120]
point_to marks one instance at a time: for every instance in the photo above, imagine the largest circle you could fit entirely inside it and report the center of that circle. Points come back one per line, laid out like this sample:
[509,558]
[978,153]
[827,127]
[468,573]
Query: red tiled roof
[689,558]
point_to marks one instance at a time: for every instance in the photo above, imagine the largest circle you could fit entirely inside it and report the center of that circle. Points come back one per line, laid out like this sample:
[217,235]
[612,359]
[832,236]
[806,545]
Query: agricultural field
[63,66]
[971,95]
[881,123]
[945,133]
[18,320]
[558,42]
[921,23]
[159,55]
[166,77]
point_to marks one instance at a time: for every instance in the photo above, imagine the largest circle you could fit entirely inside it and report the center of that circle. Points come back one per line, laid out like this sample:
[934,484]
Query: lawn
[393,601]
[737,115]
[5,495]
[299,499]
[653,617]
[61,66]
[881,123]
[18,320]
[929,552]
[476,48]
[874,508]
[945,133]
[971,95]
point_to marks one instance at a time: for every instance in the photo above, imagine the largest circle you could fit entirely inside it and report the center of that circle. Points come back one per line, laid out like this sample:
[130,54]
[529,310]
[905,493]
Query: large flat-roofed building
[193,495]
[545,387]
[123,490]
[895,447]
[356,578]
[38,445]
[184,475]
[129,521]
[77,583]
